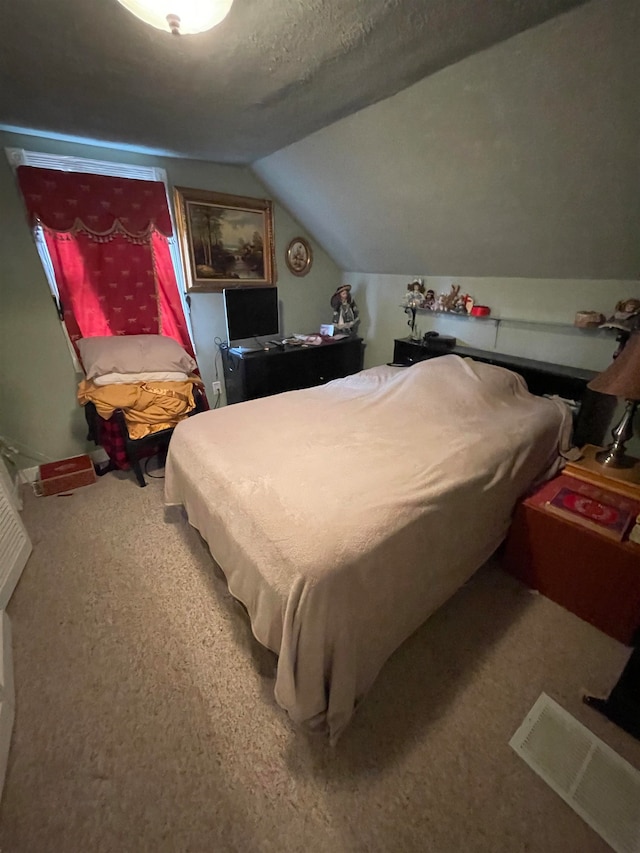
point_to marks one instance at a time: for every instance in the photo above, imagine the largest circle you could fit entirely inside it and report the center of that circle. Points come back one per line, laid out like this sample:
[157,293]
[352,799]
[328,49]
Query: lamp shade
[192,16]
[622,377]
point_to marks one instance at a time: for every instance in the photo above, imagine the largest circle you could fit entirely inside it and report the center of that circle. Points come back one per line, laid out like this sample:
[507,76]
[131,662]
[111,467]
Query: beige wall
[519,162]
[38,409]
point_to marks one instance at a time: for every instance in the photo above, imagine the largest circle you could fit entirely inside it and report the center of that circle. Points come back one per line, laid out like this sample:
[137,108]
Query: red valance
[100,205]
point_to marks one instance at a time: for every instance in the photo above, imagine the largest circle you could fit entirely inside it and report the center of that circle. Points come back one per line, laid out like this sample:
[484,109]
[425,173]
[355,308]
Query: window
[20,157]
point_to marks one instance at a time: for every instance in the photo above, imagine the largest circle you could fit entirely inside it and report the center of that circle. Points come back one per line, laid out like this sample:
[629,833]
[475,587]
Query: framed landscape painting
[224,239]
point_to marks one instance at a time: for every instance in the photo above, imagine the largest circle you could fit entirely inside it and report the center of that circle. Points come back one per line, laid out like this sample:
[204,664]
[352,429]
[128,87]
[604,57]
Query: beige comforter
[344,515]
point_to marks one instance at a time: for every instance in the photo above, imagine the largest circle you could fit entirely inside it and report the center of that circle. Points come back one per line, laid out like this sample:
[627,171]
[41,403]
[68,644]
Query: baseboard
[6,657]
[7,716]
[99,456]
[7,697]
[31,475]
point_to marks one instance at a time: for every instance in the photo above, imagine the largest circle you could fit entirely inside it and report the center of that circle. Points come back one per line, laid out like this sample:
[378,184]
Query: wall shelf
[541,325]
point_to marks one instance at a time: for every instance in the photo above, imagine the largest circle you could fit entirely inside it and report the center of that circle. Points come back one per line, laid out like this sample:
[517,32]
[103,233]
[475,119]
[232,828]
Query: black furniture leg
[101,470]
[157,441]
[623,705]
[137,470]
[131,448]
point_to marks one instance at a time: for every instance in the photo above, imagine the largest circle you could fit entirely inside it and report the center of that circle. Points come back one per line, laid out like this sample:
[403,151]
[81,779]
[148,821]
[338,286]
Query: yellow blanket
[148,406]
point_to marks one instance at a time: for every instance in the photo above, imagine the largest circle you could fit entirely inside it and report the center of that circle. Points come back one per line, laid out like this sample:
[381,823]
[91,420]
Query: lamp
[179,16]
[621,379]
[410,311]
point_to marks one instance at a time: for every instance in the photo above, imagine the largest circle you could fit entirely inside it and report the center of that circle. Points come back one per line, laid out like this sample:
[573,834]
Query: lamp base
[624,481]
[615,456]
[612,457]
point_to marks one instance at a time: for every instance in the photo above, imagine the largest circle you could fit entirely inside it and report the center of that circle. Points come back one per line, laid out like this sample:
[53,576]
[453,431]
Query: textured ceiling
[272,73]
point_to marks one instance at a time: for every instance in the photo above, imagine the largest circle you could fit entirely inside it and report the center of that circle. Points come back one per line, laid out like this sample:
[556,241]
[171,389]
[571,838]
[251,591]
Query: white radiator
[15,545]
[15,548]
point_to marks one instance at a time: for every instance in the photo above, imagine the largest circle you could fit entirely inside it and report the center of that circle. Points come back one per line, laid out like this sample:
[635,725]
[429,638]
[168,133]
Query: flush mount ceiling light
[179,16]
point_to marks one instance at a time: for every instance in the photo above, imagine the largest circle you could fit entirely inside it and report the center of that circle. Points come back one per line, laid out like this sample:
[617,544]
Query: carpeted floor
[146,721]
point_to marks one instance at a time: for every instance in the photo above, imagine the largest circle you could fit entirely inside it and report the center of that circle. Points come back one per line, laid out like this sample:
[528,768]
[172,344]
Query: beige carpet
[145,718]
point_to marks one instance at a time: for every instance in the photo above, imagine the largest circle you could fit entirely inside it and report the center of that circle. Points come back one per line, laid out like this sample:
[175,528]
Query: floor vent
[596,782]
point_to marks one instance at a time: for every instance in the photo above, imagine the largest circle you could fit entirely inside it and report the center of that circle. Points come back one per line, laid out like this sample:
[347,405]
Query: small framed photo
[299,256]
[225,240]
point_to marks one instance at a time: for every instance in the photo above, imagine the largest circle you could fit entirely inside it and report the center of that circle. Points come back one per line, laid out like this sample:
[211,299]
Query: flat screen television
[251,312]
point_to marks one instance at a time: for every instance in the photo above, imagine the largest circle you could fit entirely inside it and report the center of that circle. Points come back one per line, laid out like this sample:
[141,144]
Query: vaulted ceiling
[271,73]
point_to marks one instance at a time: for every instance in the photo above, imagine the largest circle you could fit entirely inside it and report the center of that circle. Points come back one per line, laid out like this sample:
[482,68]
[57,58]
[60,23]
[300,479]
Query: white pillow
[133,354]
[152,376]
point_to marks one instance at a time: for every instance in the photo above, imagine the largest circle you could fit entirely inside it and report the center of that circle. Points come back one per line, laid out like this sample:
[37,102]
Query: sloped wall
[521,161]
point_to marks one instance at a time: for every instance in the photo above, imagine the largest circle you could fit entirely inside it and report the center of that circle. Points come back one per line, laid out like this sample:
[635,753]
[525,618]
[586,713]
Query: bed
[344,515]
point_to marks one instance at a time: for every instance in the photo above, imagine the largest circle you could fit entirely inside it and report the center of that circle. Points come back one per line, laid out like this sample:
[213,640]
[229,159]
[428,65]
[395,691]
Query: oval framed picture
[299,256]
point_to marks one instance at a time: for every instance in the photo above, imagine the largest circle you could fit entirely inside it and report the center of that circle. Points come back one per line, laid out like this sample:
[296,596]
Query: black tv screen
[251,312]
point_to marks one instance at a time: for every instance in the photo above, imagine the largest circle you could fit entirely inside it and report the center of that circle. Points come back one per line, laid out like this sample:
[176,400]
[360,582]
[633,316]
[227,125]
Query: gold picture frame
[225,240]
[299,256]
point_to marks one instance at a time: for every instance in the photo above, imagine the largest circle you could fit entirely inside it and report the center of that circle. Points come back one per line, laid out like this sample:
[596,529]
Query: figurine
[430,300]
[628,308]
[448,300]
[346,317]
[626,316]
[625,310]
[460,305]
[414,297]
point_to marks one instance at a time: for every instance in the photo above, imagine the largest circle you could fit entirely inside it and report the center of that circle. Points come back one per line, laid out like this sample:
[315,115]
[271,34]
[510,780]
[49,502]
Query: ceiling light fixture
[179,16]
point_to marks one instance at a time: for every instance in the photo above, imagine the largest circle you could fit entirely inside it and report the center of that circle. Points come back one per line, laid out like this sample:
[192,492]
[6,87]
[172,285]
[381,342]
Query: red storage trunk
[67,474]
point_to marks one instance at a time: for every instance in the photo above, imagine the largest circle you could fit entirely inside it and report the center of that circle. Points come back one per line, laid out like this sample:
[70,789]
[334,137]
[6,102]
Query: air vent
[596,782]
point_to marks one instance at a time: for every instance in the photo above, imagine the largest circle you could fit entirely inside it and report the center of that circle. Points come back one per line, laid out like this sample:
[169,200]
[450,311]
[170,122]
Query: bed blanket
[148,407]
[344,515]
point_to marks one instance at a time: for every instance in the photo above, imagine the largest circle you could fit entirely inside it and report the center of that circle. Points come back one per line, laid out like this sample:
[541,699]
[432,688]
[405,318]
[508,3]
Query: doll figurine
[346,317]
[414,297]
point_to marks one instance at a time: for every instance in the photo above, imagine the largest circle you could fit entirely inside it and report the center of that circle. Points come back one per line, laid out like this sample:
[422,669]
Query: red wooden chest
[67,474]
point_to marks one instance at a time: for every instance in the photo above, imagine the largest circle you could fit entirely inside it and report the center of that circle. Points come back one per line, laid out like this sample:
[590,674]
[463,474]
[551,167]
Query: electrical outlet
[217,387]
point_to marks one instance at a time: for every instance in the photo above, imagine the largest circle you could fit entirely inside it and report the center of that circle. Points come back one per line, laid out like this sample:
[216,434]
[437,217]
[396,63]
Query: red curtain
[107,238]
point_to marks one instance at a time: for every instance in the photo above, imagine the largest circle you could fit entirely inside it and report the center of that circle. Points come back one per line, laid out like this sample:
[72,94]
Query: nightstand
[626,481]
[585,570]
